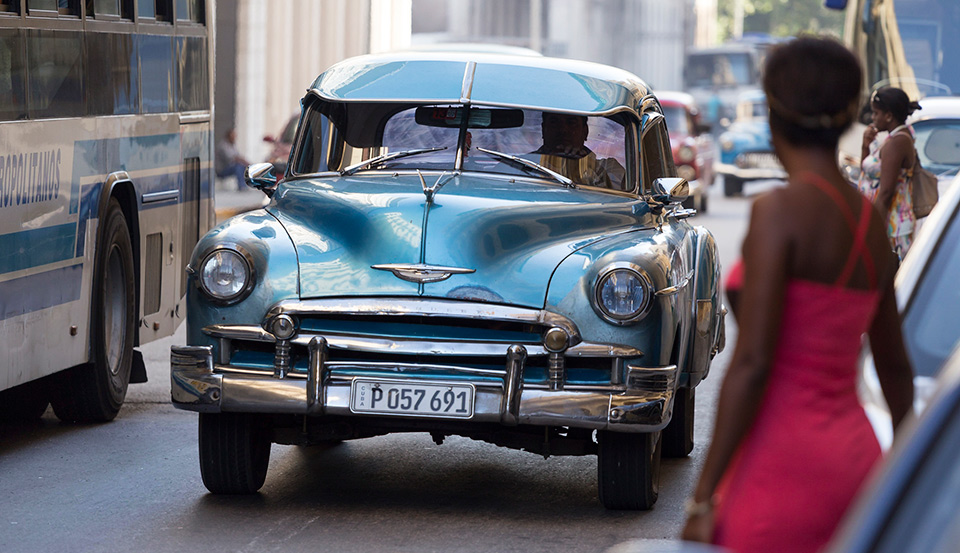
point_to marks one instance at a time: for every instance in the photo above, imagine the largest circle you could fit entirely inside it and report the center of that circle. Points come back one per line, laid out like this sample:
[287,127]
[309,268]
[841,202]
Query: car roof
[937,107]
[543,83]
[675,97]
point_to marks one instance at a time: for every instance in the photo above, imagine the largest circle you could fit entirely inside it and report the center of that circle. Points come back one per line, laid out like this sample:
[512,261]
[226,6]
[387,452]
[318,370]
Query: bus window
[113,57]
[55,73]
[13,103]
[157,78]
[193,79]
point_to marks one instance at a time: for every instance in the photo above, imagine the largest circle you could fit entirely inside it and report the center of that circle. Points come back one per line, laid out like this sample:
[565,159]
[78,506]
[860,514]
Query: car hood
[507,236]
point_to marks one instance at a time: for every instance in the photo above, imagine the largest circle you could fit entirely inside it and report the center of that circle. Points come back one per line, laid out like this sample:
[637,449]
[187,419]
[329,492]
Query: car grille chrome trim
[370,344]
[389,307]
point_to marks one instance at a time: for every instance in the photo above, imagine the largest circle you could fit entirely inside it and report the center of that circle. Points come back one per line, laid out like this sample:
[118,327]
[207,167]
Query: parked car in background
[280,152]
[694,151]
[937,128]
[746,152]
[717,76]
[470,248]
[929,301]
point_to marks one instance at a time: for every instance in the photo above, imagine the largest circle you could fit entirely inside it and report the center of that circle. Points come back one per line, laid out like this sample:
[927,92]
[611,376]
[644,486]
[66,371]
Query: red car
[280,152]
[693,147]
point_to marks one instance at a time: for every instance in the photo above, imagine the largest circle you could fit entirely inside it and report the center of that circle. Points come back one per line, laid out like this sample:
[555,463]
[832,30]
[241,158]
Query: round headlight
[726,144]
[623,295]
[687,172]
[224,275]
[685,154]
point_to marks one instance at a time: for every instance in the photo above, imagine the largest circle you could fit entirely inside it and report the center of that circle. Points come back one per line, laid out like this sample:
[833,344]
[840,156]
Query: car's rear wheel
[678,435]
[732,186]
[628,469]
[234,452]
[94,392]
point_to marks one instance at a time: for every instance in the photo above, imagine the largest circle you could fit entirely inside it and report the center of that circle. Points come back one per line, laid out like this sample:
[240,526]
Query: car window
[591,151]
[932,323]
[937,143]
[656,156]
[927,516]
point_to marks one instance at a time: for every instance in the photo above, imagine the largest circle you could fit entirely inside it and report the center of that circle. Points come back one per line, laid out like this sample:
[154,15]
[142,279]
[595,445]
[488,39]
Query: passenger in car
[564,151]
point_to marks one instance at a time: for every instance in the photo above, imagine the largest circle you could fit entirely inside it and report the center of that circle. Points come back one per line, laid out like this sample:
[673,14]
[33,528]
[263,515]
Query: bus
[909,44]
[106,184]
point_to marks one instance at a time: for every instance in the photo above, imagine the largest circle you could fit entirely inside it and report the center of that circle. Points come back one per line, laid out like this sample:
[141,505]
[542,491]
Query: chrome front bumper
[639,405]
[750,173]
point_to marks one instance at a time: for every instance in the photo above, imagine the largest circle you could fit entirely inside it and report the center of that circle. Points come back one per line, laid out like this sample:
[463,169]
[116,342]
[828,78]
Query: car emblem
[420,272]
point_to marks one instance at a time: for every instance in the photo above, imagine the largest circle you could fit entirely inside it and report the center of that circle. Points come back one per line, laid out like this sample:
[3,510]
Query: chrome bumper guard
[640,404]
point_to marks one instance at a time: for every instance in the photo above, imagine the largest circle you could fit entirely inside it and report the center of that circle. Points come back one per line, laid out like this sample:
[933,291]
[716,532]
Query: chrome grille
[758,160]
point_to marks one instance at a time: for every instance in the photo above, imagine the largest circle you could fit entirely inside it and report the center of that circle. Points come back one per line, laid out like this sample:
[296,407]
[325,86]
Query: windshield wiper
[531,165]
[386,157]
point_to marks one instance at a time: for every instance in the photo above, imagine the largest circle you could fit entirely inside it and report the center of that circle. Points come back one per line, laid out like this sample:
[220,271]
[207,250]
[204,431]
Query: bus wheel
[94,392]
[234,452]
[628,469]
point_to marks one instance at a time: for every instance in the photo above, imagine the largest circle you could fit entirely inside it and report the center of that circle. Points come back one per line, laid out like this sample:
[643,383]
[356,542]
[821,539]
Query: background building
[270,51]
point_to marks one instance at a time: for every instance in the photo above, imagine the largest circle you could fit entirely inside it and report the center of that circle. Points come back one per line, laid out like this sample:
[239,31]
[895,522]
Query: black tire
[24,403]
[678,435]
[94,392]
[234,452]
[732,186]
[702,208]
[628,469]
[689,203]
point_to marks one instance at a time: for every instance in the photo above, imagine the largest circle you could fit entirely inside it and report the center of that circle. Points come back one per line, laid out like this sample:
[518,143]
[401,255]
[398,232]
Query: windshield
[590,151]
[930,31]
[719,69]
[931,326]
[937,143]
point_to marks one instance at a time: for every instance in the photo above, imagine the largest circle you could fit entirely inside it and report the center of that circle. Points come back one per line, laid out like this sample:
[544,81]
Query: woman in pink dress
[886,164]
[791,444]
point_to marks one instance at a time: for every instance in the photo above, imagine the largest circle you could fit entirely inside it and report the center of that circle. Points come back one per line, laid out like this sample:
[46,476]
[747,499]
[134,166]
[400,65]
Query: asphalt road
[134,484]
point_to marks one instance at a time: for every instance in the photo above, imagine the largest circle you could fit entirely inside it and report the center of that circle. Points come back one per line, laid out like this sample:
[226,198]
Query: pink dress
[811,445]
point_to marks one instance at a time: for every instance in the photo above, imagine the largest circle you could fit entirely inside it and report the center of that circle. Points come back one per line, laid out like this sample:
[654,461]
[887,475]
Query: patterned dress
[900,223]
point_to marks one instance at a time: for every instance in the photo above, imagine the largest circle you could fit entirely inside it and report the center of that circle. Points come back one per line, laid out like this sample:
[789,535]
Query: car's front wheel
[678,435]
[628,469]
[234,452]
[732,186]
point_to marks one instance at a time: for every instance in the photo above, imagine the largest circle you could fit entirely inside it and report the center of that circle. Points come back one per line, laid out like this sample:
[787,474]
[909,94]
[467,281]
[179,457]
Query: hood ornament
[431,191]
[421,272]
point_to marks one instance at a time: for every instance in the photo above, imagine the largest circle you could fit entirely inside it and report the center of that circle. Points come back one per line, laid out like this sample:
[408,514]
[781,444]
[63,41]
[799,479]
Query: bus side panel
[48,189]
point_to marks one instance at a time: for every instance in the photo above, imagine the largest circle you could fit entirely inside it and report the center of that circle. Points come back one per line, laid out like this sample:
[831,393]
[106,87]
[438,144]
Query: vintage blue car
[466,244]
[746,152]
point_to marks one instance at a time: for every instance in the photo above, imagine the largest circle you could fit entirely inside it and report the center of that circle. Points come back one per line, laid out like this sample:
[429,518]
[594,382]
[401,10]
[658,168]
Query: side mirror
[671,190]
[262,177]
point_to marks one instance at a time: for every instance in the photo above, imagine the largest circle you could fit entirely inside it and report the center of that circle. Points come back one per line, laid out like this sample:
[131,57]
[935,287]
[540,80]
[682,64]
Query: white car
[929,300]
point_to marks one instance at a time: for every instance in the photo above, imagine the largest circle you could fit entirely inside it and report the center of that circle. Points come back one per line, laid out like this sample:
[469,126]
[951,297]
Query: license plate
[393,397]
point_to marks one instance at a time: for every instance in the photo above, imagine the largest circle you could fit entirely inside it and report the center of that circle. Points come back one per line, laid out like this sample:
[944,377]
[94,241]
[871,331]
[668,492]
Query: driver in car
[564,151]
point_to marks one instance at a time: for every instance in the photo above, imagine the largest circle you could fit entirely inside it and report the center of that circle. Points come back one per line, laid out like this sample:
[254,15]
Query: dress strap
[857,227]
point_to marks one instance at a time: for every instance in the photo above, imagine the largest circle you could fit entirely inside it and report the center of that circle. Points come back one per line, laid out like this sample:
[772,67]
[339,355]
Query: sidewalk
[228,201]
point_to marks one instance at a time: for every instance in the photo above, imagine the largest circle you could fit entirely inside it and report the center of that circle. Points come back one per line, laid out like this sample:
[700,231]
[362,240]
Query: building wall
[279,48]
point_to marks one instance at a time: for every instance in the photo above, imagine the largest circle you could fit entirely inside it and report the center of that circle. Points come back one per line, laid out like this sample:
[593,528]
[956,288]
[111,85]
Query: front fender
[705,339]
[664,257]
[274,259]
